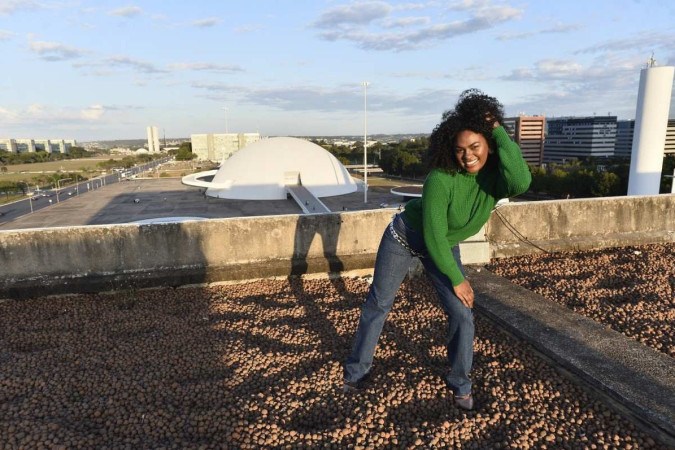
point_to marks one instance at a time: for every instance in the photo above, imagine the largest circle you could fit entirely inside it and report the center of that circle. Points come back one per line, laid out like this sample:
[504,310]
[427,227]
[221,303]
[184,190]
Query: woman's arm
[435,201]
[515,177]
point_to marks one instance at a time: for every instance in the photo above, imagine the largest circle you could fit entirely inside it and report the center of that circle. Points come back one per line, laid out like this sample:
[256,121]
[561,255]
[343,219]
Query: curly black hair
[474,111]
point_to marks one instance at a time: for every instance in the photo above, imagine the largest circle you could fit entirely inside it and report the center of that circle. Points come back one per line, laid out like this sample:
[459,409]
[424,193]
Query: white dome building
[262,170]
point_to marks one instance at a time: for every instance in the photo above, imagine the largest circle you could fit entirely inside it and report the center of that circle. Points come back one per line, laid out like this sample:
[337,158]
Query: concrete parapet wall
[95,258]
[100,258]
[560,225]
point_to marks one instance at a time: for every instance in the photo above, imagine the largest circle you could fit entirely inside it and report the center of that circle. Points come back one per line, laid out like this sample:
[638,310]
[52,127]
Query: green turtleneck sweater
[454,206]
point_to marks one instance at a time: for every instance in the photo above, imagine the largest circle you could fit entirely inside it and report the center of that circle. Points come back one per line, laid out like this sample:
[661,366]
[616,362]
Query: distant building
[529,133]
[153,139]
[219,147]
[670,138]
[8,145]
[37,145]
[625,129]
[121,151]
[571,138]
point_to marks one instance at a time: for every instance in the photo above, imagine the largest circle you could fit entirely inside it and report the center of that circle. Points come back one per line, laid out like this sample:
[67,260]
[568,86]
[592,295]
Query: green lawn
[7,198]
[26,172]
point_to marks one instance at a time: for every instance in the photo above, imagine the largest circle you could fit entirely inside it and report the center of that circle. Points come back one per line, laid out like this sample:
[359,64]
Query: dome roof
[261,170]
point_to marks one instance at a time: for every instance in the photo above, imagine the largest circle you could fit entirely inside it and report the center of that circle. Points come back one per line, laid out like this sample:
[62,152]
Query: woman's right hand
[489,118]
[464,292]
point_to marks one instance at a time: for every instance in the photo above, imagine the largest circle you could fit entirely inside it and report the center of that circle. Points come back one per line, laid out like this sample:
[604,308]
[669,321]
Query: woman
[474,164]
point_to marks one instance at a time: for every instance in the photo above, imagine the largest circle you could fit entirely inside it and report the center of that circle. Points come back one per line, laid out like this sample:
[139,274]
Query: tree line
[404,158]
[592,177]
[9,158]
[129,161]
[44,181]
[184,152]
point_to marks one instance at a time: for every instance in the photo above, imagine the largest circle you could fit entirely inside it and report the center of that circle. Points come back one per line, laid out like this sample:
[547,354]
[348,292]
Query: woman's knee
[463,316]
[458,313]
[379,301]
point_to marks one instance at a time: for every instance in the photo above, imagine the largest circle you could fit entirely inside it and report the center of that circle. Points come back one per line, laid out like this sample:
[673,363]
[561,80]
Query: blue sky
[94,70]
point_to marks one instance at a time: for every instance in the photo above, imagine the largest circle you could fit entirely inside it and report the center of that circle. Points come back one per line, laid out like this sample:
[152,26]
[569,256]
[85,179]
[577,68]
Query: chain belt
[402,241]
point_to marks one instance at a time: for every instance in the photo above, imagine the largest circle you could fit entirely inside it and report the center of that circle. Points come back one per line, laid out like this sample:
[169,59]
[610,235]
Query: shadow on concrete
[307,228]
[327,228]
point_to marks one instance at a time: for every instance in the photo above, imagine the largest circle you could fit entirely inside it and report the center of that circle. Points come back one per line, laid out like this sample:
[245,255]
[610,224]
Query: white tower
[153,139]
[651,122]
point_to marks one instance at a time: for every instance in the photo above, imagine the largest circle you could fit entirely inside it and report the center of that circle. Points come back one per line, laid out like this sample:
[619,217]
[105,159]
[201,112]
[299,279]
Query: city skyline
[106,70]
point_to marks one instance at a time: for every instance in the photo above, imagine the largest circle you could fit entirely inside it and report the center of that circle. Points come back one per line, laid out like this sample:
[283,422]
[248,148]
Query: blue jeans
[391,266]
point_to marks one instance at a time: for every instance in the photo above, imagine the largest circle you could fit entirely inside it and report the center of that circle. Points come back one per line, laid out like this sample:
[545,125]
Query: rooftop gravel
[258,364]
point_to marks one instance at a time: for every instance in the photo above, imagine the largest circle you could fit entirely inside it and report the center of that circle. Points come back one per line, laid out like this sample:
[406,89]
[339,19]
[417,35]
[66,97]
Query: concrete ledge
[580,243]
[636,380]
[474,252]
[516,228]
[176,276]
[81,259]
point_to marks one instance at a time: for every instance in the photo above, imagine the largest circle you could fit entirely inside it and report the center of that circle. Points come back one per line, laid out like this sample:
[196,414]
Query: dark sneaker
[355,387]
[464,402]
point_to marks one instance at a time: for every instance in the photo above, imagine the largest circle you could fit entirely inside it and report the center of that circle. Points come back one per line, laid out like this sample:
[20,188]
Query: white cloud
[646,42]
[405,22]
[559,28]
[366,24]
[6,35]
[344,98]
[8,116]
[514,36]
[353,14]
[218,87]
[205,23]
[556,68]
[471,73]
[568,87]
[35,110]
[248,29]
[412,6]
[42,115]
[11,6]
[127,11]
[54,51]
[207,67]
[607,82]
[134,64]
[93,112]
[568,71]
[496,14]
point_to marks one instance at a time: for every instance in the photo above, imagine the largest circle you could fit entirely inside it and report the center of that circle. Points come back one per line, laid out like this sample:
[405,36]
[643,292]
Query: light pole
[365,140]
[58,187]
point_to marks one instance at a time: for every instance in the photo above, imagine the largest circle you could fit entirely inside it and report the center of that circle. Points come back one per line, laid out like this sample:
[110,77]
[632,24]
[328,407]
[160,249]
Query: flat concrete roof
[168,197]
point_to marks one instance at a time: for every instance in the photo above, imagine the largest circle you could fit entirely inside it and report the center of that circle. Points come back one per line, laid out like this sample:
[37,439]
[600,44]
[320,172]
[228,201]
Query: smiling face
[471,151]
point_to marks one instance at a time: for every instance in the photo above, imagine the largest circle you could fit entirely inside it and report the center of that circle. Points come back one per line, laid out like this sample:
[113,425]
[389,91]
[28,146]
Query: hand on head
[489,118]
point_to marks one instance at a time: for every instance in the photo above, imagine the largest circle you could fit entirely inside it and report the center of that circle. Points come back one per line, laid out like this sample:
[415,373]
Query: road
[14,210]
